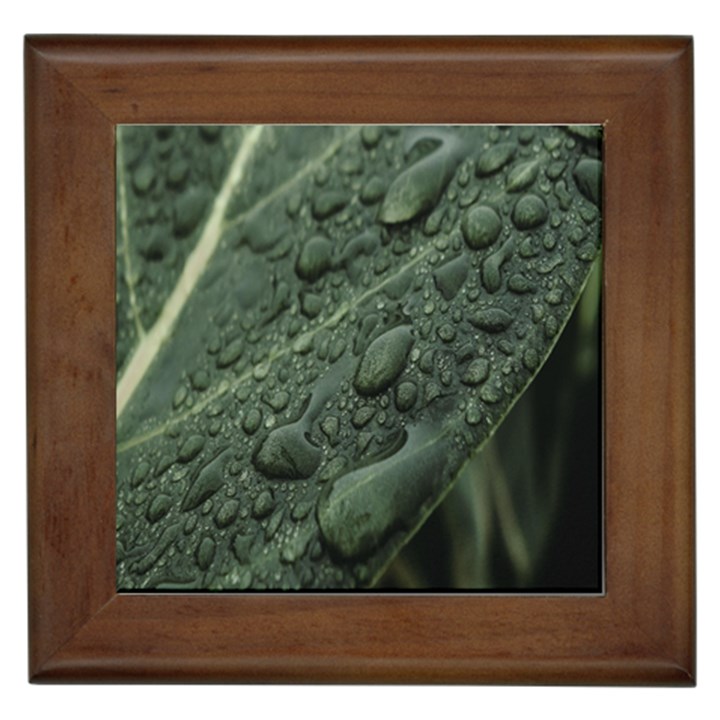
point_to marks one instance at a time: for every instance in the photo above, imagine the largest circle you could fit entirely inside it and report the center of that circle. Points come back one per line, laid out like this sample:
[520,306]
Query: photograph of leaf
[355,358]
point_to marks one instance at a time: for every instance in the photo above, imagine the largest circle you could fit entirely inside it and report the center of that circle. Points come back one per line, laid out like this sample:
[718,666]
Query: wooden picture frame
[640,631]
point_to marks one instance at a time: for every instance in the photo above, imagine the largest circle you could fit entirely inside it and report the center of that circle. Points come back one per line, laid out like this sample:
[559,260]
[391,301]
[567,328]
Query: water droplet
[433,222]
[547,266]
[531,358]
[491,319]
[432,391]
[180,395]
[279,401]
[190,524]
[261,370]
[311,304]
[383,361]
[143,178]
[169,534]
[495,158]
[286,453]
[252,421]
[178,172]
[231,353]
[446,332]
[427,361]
[526,134]
[473,414]
[264,504]
[140,474]
[188,210]
[405,395]
[477,372]
[201,380]
[522,176]
[366,244]
[337,348]
[586,252]
[328,203]
[330,426]
[363,415]
[481,227]
[491,393]
[529,212]
[205,553]
[556,169]
[417,189]
[191,448]
[358,512]
[274,524]
[301,510]
[370,136]
[163,464]
[563,194]
[551,326]
[241,548]
[554,296]
[373,190]
[315,258]
[210,133]
[295,548]
[520,284]
[491,277]
[207,483]
[227,513]
[158,508]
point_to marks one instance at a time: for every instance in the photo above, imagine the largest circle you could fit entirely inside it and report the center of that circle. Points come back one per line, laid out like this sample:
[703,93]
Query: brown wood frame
[642,631]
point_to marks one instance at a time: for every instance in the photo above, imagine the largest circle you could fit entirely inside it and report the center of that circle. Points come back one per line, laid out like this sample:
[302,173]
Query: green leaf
[318,326]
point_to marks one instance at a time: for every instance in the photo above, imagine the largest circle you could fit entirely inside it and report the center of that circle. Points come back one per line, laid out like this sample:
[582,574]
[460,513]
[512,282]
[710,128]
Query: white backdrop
[451,17]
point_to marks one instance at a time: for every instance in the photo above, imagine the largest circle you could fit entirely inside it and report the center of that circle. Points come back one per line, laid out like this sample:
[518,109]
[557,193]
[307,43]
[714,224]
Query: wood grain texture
[641,631]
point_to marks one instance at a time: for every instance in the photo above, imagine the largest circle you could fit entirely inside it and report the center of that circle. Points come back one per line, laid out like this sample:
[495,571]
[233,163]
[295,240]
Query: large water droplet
[207,483]
[491,319]
[529,212]
[418,188]
[191,448]
[383,361]
[494,158]
[522,176]
[476,372]
[450,277]
[360,510]
[158,508]
[481,227]
[287,453]
[491,277]
[588,178]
